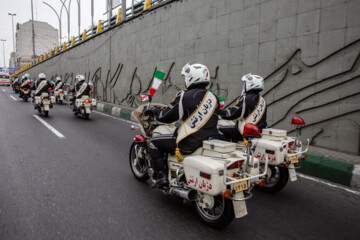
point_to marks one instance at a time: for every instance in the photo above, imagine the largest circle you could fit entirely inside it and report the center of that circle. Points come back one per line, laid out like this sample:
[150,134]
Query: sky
[43,13]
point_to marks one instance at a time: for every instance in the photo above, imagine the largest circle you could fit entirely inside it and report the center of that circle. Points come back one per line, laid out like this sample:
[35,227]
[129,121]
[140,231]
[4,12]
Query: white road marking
[3,90]
[127,121]
[56,132]
[328,183]
[13,97]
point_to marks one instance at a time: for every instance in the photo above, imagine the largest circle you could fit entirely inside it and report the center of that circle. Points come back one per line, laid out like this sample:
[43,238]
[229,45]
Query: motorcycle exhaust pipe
[184,193]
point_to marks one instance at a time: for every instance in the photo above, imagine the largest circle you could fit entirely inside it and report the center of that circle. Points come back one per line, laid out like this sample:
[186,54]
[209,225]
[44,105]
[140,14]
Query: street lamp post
[3,40]
[33,30]
[12,17]
[59,18]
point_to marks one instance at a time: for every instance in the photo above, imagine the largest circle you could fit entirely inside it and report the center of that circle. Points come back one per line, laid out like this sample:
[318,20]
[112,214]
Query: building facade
[46,38]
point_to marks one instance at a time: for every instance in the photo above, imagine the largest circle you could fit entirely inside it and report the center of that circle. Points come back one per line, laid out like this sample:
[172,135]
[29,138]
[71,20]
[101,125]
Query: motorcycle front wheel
[276,180]
[219,216]
[137,165]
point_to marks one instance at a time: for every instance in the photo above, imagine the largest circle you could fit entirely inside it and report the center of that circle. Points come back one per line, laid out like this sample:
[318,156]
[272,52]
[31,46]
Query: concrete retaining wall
[308,50]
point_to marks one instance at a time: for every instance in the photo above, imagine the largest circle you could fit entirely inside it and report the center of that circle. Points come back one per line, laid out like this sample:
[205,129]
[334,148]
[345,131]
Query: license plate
[46,102]
[87,105]
[241,186]
[26,92]
[61,94]
[293,159]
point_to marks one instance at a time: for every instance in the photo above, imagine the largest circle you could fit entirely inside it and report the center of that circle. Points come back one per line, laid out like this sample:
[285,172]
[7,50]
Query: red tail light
[46,98]
[87,100]
[30,82]
[290,144]
[50,89]
[270,151]
[252,131]
[25,89]
[235,165]
[61,91]
[63,86]
[298,121]
[91,91]
[139,138]
[205,175]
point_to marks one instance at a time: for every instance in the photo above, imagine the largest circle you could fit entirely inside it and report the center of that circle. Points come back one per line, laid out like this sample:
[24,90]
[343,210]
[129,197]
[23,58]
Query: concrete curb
[320,166]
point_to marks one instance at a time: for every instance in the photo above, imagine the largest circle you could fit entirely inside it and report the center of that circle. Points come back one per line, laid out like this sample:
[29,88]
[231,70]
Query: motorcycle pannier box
[219,146]
[37,100]
[202,174]
[273,134]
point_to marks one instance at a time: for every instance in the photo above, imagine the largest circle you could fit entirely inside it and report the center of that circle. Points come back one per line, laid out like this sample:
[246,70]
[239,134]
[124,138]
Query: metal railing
[131,11]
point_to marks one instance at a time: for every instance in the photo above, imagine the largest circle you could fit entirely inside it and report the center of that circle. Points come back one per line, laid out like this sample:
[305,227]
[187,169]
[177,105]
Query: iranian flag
[91,83]
[145,98]
[159,76]
[222,102]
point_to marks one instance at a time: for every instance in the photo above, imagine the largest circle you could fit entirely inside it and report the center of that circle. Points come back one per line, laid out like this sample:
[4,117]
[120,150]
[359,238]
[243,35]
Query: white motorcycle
[60,95]
[83,106]
[281,151]
[216,178]
[43,103]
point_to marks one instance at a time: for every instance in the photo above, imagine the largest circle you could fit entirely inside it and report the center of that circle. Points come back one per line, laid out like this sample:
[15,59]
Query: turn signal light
[298,121]
[227,194]
[252,131]
[286,164]
[304,157]
[261,183]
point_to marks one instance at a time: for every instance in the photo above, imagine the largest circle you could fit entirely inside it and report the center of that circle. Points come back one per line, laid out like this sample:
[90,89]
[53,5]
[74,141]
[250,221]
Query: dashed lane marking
[56,132]
[13,97]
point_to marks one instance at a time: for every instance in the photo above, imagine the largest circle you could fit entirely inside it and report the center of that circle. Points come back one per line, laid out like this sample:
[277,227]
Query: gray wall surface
[307,51]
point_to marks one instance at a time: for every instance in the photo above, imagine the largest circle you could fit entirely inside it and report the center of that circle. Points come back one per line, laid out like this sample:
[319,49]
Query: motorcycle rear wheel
[46,113]
[219,216]
[138,171]
[25,98]
[276,180]
[86,116]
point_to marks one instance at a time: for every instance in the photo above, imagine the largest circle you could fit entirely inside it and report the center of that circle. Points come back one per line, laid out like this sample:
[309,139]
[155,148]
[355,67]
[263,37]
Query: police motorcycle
[59,91]
[25,89]
[83,104]
[15,85]
[45,101]
[217,178]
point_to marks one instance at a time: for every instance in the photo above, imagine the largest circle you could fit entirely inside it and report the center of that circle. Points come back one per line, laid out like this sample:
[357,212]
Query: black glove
[151,111]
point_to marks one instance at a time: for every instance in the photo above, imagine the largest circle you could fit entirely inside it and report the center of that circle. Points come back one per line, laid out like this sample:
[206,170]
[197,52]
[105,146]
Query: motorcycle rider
[15,83]
[81,88]
[249,108]
[58,83]
[24,82]
[198,109]
[41,85]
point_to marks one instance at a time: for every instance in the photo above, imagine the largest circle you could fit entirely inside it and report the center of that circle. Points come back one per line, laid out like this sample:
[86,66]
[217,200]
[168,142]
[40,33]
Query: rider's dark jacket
[251,101]
[192,98]
[44,89]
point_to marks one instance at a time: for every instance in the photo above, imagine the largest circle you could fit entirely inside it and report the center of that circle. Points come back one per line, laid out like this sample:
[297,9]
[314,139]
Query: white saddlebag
[37,100]
[195,168]
[93,102]
[53,100]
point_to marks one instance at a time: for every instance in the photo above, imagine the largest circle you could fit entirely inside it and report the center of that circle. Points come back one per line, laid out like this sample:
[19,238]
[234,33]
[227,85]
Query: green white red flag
[222,102]
[159,76]
[145,98]
[91,83]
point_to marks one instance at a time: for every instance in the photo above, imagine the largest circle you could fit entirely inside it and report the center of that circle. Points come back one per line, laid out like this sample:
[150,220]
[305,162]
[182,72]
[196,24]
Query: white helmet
[252,82]
[58,78]
[79,78]
[27,75]
[195,73]
[42,76]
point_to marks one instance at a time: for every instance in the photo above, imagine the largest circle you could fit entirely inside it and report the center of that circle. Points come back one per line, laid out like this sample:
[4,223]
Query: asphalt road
[81,187]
